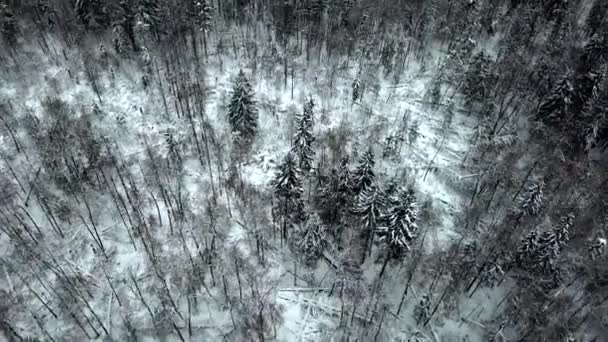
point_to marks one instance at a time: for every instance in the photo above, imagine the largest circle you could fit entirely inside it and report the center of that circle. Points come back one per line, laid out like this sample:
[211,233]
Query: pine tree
[202,14]
[413,133]
[364,176]
[356,89]
[94,14]
[597,248]
[174,154]
[597,17]
[554,109]
[369,206]
[422,311]
[387,56]
[150,16]
[310,239]
[336,194]
[400,222]
[288,190]
[477,80]
[302,145]
[123,31]
[491,275]
[120,39]
[540,249]
[434,93]
[562,231]
[242,111]
[532,200]
[8,25]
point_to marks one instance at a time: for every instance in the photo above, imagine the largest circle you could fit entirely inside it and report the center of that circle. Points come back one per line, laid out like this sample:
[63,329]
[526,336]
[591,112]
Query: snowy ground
[432,163]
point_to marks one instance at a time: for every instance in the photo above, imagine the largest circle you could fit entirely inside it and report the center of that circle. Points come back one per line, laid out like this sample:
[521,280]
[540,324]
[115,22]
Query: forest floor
[432,161]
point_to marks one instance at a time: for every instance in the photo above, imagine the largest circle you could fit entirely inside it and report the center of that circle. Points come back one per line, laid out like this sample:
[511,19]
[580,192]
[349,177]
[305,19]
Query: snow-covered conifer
[597,248]
[364,176]
[540,249]
[387,56]
[532,200]
[310,239]
[336,193]
[555,106]
[287,187]
[93,14]
[8,25]
[242,111]
[356,89]
[202,12]
[491,274]
[562,230]
[422,311]
[369,206]
[302,144]
[400,221]
[434,94]
[119,39]
[477,80]
[150,16]
[413,133]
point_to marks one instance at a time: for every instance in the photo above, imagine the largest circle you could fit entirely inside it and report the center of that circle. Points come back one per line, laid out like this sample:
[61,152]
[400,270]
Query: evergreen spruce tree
[597,17]
[491,275]
[356,89]
[369,206]
[8,25]
[123,31]
[433,93]
[387,56]
[93,14]
[150,16]
[288,190]
[477,80]
[399,222]
[328,198]
[336,194]
[562,231]
[242,111]
[126,18]
[540,249]
[174,155]
[302,145]
[310,239]
[554,109]
[201,14]
[413,133]
[120,39]
[532,200]
[422,311]
[597,248]
[364,176]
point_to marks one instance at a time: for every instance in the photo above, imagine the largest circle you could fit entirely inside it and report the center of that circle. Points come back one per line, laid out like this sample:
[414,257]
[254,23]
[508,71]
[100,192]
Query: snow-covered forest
[304,170]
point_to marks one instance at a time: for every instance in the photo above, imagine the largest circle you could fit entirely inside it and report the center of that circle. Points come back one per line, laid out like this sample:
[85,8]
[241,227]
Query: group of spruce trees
[346,198]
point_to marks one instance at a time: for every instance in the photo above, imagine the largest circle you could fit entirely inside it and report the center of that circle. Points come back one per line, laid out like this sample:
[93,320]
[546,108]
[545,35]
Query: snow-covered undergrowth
[414,143]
